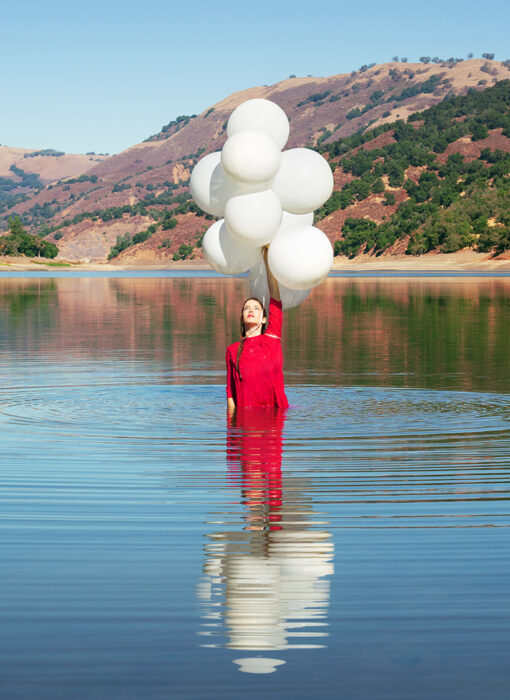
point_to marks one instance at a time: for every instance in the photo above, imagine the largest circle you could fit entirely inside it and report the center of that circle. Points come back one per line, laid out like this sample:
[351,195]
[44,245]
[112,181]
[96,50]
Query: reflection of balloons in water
[260,289]
[272,598]
[251,156]
[258,664]
[254,218]
[300,258]
[304,181]
[226,254]
[260,115]
[253,615]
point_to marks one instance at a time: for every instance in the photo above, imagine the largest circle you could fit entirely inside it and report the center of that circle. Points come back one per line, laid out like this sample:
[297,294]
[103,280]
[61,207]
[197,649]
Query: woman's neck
[254,331]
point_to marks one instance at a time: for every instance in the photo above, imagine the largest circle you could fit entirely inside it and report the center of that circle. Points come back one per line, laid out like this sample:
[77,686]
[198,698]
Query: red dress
[260,367]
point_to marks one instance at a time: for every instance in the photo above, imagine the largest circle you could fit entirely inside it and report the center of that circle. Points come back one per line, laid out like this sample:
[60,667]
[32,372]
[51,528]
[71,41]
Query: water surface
[356,545]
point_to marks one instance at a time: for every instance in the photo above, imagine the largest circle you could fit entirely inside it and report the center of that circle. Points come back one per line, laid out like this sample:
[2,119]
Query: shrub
[354,113]
[169,223]
[183,252]
[122,243]
[141,236]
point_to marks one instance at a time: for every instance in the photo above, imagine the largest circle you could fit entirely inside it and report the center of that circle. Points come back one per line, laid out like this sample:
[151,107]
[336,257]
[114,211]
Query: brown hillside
[320,110]
[91,241]
[153,251]
[470,150]
[49,168]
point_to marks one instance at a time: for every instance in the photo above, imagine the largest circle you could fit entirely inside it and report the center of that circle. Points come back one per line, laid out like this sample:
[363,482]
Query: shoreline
[462,261]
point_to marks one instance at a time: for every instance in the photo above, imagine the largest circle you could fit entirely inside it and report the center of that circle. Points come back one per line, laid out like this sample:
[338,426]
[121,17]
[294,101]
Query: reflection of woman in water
[254,456]
[254,364]
[271,575]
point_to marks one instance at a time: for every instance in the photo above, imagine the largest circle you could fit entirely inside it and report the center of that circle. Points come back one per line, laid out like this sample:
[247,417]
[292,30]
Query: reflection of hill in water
[266,582]
[363,331]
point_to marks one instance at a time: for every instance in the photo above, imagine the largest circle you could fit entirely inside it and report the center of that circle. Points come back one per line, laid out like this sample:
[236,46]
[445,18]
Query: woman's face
[252,314]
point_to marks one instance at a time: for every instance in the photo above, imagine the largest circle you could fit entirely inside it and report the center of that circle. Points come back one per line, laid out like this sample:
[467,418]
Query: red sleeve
[229,375]
[274,326]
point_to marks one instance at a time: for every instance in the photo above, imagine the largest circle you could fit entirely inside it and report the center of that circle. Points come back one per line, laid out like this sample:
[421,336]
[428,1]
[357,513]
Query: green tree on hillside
[19,242]
[16,226]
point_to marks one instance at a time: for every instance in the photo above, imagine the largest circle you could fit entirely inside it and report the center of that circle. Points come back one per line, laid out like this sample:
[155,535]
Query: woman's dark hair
[243,330]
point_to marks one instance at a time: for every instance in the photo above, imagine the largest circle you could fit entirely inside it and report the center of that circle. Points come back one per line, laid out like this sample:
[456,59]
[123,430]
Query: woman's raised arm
[274,290]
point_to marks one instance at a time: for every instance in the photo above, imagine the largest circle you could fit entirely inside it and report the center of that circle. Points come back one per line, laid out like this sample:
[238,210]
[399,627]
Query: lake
[356,545]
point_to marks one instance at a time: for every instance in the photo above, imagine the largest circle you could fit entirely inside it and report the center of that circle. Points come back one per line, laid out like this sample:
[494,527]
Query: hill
[25,172]
[141,194]
[49,165]
[441,180]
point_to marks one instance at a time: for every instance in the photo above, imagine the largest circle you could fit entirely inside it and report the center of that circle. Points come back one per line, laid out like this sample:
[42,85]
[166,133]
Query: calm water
[356,546]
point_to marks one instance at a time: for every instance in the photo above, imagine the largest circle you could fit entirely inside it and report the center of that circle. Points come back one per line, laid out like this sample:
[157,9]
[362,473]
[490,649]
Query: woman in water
[254,364]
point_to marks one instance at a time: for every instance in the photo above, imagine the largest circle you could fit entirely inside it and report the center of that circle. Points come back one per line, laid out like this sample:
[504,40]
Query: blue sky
[102,76]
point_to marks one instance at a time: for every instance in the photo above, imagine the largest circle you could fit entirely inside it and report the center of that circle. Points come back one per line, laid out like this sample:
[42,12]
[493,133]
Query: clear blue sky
[102,75]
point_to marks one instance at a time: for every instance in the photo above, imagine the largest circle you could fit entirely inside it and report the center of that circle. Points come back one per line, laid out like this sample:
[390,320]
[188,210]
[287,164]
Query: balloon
[251,156]
[200,182]
[260,289]
[304,181]
[254,218]
[211,187]
[266,197]
[292,221]
[260,115]
[300,258]
[226,254]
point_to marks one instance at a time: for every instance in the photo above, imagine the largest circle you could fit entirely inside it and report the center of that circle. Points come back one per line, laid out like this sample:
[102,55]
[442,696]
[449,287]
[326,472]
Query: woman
[254,364]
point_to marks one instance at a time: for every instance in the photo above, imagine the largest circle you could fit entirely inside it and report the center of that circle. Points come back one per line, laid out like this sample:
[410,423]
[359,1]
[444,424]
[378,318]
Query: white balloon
[260,115]
[251,156]
[291,221]
[254,218]
[304,181]
[200,182]
[260,288]
[211,187]
[226,254]
[300,258]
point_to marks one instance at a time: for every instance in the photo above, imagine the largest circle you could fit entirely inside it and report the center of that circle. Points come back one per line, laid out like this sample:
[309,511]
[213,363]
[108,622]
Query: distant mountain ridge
[48,164]
[142,189]
[24,172]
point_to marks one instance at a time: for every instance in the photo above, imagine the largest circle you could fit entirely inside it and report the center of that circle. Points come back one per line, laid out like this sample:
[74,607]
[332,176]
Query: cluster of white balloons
[265,196]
